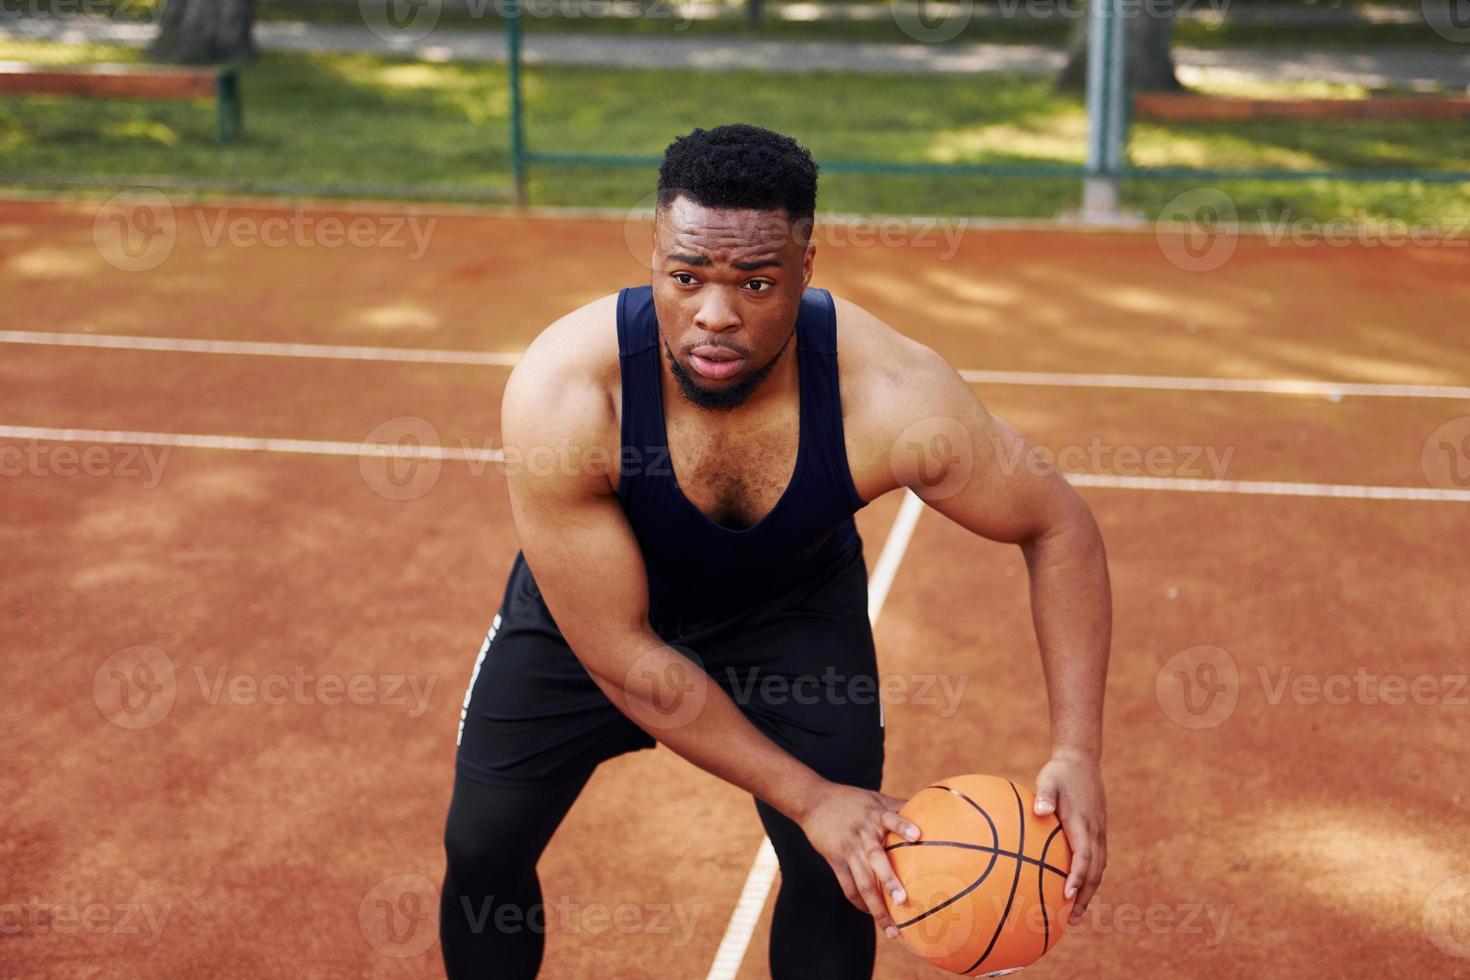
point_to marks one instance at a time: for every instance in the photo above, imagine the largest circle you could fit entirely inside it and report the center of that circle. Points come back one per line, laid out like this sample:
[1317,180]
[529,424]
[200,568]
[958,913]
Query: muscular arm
[927,431]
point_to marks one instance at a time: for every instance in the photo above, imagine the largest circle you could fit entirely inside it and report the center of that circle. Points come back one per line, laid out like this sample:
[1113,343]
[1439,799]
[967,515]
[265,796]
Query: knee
[476,856]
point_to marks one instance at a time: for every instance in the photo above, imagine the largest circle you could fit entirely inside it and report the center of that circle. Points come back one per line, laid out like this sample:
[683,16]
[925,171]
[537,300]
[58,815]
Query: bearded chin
[721,399]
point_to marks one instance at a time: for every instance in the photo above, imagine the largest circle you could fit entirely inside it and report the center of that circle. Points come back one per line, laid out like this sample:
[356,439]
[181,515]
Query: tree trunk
[194,32]
[1148,33]
[754,13]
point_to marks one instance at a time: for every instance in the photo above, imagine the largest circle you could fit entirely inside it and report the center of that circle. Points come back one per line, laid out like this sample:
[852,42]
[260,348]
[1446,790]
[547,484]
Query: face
[726,286]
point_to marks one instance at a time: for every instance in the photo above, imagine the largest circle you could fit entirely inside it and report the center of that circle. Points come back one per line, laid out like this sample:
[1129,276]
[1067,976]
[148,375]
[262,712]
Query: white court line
[338,352]
[763,872]
[1268,488]
[317,447]
[1265,386]
[311,447]
[1268,386]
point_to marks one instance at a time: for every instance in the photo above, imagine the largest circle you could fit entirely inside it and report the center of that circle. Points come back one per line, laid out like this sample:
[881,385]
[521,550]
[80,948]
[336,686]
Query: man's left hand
[1070,785]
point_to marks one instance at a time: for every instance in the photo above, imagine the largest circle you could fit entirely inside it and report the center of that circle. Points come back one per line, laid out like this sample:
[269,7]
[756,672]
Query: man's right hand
[846,825]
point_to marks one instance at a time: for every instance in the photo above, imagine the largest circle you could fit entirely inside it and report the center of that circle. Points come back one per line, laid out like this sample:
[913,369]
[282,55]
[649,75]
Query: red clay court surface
[230,821]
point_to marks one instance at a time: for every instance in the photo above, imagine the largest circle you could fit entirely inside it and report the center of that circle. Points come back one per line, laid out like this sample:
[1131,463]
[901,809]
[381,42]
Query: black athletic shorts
[801,667]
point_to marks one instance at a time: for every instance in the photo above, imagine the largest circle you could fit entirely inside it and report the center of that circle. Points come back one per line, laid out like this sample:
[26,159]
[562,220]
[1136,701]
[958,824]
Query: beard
[722,399]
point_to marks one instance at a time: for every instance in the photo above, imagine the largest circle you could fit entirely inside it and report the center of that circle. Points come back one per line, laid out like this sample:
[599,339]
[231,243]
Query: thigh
[532,715]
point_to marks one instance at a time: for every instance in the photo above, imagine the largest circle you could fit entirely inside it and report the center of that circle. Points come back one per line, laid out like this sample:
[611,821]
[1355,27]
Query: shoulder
[561,392]
[895,390]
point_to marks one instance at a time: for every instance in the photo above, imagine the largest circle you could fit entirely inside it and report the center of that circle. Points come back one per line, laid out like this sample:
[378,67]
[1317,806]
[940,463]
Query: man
[704,541]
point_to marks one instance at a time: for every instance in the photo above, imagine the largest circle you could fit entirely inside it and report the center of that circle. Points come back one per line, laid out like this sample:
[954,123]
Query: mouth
[715,363]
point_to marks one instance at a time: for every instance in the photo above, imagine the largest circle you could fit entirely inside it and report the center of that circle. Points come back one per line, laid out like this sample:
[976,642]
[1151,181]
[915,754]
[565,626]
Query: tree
[193,32]
[1148,30]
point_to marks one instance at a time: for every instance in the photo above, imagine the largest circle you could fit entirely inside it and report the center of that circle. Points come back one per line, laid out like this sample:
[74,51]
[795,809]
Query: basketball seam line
[1041,890]
[995,856]
[1015,881]
[980,847]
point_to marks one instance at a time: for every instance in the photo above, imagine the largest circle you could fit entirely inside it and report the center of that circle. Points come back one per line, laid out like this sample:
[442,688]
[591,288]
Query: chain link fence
[911,106]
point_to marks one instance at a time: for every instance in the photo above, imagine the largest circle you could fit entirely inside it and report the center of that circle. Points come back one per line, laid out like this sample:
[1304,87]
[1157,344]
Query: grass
[367,126]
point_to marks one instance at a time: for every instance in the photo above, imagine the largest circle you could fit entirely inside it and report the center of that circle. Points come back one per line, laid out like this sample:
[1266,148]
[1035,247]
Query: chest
[735,474]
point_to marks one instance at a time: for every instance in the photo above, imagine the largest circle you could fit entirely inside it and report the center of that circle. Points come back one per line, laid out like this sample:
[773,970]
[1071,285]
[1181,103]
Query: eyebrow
[700,260]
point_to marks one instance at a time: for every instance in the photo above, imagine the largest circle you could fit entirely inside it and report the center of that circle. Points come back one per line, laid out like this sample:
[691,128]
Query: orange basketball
[984,882]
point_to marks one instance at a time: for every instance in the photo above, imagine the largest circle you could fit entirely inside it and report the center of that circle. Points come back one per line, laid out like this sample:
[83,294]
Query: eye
[683,278]
[759,285]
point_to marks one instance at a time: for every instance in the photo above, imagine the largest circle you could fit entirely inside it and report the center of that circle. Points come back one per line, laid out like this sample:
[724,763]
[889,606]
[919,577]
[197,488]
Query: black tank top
[695,564]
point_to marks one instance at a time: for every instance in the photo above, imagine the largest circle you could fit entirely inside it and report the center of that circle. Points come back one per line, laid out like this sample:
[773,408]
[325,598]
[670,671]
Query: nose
[716,312]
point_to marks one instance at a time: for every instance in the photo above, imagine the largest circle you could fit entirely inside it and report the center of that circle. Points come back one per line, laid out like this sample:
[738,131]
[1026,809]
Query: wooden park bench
[152,82]
[1171,107]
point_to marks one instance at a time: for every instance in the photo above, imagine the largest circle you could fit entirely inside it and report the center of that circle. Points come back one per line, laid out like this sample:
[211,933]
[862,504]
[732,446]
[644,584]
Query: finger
[844,881]
[1047,792]
[883,871]
[902,826]
[867,887]
[1077,880]
[1094,879]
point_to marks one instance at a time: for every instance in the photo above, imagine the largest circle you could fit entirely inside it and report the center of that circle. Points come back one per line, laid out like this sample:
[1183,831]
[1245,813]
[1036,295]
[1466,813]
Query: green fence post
[231,113]
[1100,186]
[517,109]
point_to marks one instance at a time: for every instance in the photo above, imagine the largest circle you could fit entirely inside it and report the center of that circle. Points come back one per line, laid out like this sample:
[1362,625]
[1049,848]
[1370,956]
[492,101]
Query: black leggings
[492,924]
